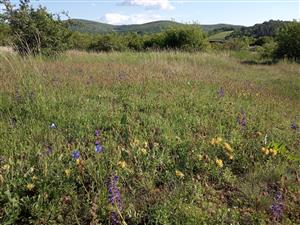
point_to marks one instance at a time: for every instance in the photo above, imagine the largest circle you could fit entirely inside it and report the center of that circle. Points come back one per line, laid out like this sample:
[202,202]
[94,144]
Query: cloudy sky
[243,12]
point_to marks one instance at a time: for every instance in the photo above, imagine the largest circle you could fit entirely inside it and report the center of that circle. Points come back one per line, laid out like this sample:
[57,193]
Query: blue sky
[243,12]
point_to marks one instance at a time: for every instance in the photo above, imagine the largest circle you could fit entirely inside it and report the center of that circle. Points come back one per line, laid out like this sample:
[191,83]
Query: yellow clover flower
[179,174]
[122,164]
[219,163]
[30,186]
[68,172]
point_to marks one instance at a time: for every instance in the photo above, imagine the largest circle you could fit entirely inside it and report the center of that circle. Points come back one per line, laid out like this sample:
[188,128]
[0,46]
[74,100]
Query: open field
[148,138]
[219,36]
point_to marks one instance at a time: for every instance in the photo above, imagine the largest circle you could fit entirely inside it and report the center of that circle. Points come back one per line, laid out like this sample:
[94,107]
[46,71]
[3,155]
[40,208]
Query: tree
[35,31]
[289,42]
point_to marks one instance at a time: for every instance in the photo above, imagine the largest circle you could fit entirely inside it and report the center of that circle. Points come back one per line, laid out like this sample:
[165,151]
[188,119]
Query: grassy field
[148,138]
[219,36]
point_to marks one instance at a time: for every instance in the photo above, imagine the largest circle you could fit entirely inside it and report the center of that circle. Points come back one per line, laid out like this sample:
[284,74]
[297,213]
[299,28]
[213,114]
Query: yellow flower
[200,157]
[179,174]
[6,167]
[228,147]
[144,151]
[230,156]
[67,172]
[30,186]
[273,152]
[267,151]
[122,164]
[136,142]
[34,178]
[218,140]
[78,162]
[219,163]
[213,141]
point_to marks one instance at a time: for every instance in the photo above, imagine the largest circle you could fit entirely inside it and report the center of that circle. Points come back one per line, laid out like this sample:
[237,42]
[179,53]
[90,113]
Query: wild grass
[171,129]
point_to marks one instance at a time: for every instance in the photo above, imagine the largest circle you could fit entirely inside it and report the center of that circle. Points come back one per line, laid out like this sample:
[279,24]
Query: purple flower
[97,133]
[221,92]
[241,119]
[294,126]
[114,198]
[49,150]
[277,207]
[98,147]
[76,154]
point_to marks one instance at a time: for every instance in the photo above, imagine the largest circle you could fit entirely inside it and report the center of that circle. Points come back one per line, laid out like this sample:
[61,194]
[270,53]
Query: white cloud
[121,19]
[150,4]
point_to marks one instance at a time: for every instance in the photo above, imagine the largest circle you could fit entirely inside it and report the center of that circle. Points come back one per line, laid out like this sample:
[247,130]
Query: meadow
[149,138]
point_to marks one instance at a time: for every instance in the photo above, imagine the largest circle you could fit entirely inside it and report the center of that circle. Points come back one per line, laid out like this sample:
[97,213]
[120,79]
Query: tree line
[35,31]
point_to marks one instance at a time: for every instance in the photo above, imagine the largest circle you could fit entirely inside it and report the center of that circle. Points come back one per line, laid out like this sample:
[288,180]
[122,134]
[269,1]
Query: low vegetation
[153,138]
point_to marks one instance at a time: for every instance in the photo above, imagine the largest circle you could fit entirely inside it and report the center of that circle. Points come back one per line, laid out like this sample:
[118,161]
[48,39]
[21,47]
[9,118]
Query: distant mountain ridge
[94,27]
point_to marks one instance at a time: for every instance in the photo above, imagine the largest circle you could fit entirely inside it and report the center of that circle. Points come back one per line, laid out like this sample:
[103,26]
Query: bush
[289,42]
[81,41]
[108,43]
[134,42]
[35,31]
[154,41]
[237,44]
[187,38]
[4,34]
[267,50]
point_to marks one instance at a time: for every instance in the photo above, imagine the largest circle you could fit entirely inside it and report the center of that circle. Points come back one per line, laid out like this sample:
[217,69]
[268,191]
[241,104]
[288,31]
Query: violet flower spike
[114,198]
[277,207]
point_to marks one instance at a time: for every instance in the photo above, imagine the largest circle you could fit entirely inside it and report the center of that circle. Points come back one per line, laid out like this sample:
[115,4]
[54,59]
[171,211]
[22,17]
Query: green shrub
[35,31]
[4,34]
[81,41]
[108,43]
[187,38]
[289,42]
[267,50]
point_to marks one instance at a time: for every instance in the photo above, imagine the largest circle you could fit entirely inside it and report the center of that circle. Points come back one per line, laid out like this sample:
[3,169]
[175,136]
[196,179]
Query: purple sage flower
[98,147]
[277,207]
[114,198]
[221,92]
[76,154]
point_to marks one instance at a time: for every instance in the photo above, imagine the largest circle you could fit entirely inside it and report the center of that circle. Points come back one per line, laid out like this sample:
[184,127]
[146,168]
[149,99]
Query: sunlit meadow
[148,138]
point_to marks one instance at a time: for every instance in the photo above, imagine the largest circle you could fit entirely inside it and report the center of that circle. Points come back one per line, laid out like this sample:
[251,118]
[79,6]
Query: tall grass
[161,119]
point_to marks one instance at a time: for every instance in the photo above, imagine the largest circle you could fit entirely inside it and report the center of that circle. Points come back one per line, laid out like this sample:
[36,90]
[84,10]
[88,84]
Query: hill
[88,26]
